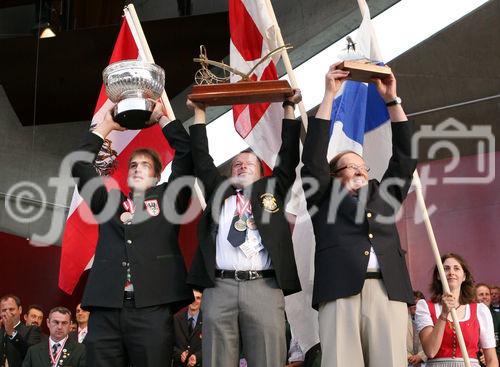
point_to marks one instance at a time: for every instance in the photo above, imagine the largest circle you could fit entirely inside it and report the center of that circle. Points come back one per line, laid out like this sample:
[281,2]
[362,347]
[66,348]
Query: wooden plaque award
[363,71]
[214,90]
[243,92]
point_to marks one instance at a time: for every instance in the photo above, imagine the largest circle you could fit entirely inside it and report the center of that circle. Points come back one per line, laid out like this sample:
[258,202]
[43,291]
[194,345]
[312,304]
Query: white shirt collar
[61,342]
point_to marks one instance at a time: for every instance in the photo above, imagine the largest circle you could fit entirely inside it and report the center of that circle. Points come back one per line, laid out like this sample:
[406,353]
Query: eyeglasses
[354,167]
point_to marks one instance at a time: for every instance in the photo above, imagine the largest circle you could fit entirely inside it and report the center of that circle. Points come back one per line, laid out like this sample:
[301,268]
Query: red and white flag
[80,237]
[253,36]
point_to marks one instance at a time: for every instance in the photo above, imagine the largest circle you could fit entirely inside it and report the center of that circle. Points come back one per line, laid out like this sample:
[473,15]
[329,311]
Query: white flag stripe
[75,201]
[376,155]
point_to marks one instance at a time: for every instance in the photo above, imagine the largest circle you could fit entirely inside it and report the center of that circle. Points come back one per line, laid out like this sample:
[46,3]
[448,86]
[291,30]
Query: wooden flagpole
[137,32]
[286,62]
[437,258]
[434,247]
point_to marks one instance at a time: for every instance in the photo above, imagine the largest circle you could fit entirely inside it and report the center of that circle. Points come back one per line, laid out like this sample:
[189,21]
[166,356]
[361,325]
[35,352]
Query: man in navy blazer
[361,283]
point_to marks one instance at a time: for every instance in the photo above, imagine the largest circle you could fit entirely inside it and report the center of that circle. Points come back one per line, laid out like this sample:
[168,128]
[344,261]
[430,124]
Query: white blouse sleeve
[486,332]
[422,316]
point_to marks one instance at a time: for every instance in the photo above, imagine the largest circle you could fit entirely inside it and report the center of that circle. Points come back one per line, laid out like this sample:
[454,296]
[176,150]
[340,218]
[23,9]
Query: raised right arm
[317,138]
[83,169]
[204,167]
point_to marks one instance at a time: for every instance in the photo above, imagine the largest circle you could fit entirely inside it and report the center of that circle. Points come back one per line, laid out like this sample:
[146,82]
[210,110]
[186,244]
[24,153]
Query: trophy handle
[273,52]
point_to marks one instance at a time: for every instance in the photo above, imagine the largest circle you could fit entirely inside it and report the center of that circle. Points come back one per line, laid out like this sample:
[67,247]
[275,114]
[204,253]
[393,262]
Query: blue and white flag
[360,121]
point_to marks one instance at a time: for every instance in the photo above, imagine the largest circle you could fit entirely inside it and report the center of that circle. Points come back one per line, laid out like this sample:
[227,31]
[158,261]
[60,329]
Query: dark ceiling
[63,74]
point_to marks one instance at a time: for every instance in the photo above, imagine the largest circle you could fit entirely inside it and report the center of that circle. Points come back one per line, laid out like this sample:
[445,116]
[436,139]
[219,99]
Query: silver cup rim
[131,64]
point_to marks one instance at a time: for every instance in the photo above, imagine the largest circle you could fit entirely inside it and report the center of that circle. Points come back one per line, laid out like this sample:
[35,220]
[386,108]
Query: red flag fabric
[253,36]
[80,236]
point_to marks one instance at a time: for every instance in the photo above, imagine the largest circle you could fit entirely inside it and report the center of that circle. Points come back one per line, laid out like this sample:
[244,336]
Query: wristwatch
[394,102]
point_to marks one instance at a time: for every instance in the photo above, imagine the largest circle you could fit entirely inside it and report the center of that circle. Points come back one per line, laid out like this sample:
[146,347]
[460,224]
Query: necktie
[190,325]
[55,348]
[235,237]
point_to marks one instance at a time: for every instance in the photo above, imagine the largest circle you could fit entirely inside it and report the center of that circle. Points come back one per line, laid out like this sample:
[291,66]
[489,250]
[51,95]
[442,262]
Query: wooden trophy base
[243,92]
[363,72]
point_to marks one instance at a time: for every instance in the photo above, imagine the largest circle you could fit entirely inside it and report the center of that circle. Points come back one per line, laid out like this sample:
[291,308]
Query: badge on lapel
[269,203]
[65,355]
[152,207]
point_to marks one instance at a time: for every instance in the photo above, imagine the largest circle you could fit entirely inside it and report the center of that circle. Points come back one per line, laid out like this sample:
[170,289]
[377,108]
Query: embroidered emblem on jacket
[269,203]
[152,207]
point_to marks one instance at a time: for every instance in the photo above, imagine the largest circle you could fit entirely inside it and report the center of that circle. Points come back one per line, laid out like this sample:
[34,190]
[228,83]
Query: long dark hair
[467,290]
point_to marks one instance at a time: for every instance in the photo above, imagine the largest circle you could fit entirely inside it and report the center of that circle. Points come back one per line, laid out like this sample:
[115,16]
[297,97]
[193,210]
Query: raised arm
[83,169]
[314,155]
[401,164]
[288,155]
[182,163]
[204,166]
[178,139]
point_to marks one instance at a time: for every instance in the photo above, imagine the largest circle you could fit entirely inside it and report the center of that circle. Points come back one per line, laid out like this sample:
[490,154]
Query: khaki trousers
[365,330]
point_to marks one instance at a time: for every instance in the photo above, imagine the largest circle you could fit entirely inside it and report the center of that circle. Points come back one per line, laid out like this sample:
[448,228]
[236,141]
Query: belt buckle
[253,274]
[236,277]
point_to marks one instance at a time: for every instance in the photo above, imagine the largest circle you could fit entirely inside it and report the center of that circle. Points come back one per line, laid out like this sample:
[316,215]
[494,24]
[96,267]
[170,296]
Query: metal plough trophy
[215,90]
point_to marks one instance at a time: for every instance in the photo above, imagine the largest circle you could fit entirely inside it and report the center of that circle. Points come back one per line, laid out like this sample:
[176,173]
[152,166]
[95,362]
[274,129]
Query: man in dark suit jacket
[82,320]
[187,331]
[138,278]
[59,350]
[361,283]
[245,261]
[15,337]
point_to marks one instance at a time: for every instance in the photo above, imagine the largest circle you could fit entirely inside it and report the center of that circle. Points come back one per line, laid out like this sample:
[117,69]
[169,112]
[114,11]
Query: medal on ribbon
[243,211]
[127,216]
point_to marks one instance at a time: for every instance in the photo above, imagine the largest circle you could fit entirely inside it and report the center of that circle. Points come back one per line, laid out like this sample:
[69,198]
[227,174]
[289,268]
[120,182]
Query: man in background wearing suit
[82,321]
[361,283]
[15,337]
[245,261]
[187,330]
[60,350]
[33,316]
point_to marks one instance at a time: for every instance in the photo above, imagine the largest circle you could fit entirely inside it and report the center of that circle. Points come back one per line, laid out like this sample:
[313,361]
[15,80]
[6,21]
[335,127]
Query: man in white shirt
[245,261]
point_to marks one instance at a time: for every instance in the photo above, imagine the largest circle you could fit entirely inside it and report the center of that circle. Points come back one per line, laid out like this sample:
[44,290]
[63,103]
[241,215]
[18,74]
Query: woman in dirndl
[435,325]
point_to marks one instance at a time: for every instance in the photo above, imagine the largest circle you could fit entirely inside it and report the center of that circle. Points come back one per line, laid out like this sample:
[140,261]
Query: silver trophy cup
[134,86]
